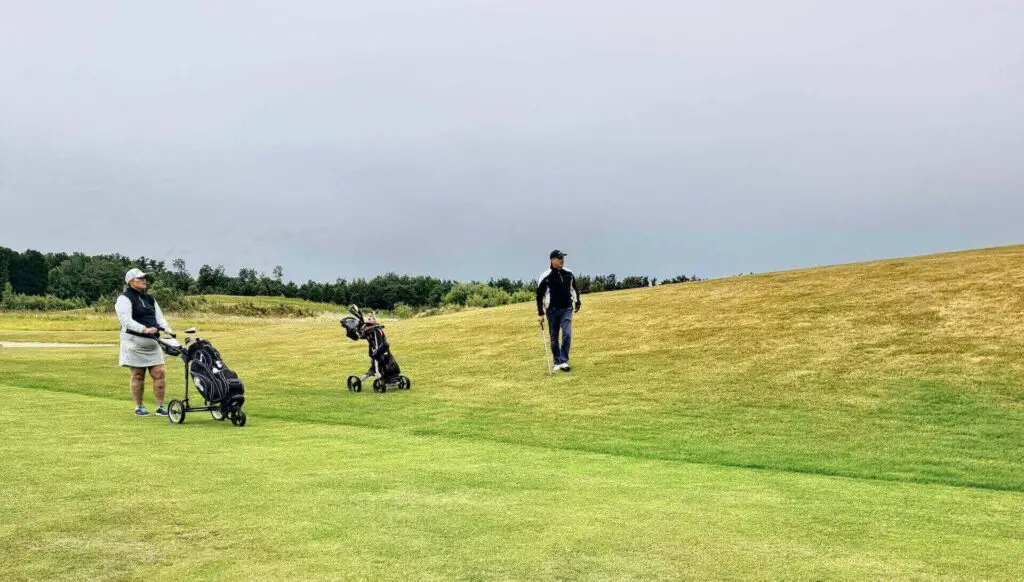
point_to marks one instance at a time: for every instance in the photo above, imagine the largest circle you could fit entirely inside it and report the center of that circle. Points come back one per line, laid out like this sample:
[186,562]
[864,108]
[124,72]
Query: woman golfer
[140,316]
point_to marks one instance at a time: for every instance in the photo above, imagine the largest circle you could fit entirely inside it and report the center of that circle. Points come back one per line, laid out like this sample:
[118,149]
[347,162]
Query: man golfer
[558,298]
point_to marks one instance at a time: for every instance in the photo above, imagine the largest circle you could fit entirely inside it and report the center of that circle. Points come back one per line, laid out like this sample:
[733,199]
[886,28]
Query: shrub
[477,295]
[458,294]
[251,309]
[170,300]
[16,302]
[440,310]
[486,296]
[523,296]
[403,311]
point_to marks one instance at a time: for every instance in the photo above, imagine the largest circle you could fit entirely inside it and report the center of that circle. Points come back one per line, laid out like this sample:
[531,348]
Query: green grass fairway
[853,422]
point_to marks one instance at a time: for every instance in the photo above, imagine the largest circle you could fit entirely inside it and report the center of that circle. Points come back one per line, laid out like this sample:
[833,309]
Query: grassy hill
[858,421]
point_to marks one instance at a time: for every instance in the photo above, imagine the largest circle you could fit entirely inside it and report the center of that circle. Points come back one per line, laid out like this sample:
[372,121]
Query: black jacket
[556,289]
[143,307]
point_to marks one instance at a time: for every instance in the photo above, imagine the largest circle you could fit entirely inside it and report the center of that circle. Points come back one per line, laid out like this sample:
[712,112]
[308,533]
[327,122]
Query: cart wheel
[176,411]
[217,414]
[406,383]
[239,418]
[355,384]
[379,386]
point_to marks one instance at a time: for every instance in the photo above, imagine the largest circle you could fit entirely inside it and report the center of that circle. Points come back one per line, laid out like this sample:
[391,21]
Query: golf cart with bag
[383,366]
[223,393]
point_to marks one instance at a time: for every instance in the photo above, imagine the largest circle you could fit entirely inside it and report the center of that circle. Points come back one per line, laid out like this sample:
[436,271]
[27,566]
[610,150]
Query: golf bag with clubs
[383,366]
[222,391]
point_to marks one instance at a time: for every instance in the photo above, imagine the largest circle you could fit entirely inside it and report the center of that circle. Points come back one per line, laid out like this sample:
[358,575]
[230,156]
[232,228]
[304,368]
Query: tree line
[71,280]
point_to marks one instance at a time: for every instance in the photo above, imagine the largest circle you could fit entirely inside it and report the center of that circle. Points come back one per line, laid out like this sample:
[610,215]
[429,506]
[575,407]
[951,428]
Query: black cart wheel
[406,382]
[239,418]
[355,384]
[379,385]
[217,414]
[176,411]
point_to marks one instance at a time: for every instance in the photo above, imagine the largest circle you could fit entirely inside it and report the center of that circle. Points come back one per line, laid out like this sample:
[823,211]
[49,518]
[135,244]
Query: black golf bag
[217,383]
[223,393]
[383,365]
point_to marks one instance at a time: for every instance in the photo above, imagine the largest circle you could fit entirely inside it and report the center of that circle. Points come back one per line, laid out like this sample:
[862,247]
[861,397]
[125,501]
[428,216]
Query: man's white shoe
[562,367]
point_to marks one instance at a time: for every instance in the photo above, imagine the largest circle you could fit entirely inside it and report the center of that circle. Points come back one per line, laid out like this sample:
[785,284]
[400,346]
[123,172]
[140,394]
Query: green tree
[584,283]
[6,255]
[212,280]
[178,277]
[86,277]
[54,259]
[633,282]
[435,298]
[28,273]
[339,292]
[246,283]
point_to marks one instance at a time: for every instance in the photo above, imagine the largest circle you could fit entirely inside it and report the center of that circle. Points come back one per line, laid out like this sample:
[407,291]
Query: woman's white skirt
[140,352]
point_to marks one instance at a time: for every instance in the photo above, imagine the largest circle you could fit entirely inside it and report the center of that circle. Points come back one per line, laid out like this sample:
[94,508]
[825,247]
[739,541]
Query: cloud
[467,138]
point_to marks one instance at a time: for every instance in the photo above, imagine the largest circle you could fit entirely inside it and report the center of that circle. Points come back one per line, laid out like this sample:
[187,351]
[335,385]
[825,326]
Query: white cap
[133,274]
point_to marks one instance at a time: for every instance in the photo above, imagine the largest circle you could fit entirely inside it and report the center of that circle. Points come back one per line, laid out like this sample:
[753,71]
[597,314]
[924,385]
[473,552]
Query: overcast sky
[467,139]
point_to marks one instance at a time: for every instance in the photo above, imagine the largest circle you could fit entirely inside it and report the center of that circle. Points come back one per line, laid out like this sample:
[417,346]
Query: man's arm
[542,289]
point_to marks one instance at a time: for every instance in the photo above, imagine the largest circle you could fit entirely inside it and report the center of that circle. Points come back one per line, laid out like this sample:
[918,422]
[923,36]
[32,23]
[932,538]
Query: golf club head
[190,330]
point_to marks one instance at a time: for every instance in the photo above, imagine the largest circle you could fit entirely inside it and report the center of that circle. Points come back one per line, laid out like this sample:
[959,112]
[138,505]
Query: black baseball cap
[557,254]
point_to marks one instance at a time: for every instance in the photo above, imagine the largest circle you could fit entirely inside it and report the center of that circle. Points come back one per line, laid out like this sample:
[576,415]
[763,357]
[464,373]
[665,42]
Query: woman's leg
[158,374]
[138,382]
